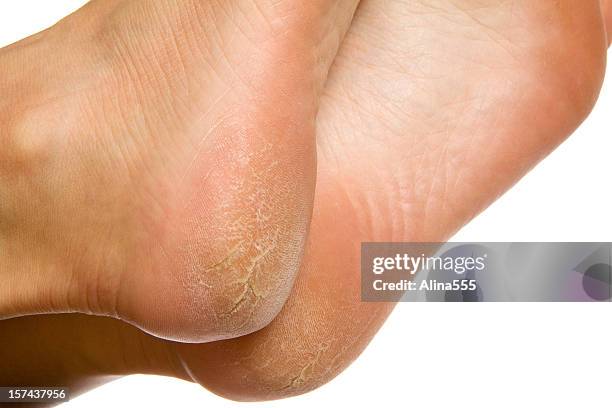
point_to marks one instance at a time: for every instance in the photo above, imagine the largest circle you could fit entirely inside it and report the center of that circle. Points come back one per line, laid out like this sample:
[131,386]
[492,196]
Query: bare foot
[160,166]
[432,110]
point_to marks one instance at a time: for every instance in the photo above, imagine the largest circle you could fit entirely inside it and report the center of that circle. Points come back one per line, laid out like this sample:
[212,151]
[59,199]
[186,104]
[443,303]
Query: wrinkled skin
[432,109]
[162,183]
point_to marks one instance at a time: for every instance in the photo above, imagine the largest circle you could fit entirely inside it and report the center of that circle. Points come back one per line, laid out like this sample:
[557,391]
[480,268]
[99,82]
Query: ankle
[40,255]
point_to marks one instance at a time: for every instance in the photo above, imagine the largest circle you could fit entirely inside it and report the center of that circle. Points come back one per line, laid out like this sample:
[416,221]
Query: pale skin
[426,111]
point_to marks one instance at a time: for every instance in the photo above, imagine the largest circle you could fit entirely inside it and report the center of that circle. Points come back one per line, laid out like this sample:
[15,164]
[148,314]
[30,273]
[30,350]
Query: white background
[461,355]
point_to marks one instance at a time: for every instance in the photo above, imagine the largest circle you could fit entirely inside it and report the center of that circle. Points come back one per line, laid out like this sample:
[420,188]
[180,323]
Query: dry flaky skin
[467,97]
[433,109]
[161,167]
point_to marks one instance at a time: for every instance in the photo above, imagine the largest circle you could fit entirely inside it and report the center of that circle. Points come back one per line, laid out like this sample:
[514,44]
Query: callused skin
[468,96]
[149,173]
[432,109]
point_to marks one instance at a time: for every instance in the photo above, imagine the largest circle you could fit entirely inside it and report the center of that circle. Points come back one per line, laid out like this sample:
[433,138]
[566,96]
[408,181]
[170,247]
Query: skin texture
[606,6]
[186,193]
[458,112]
[432,109]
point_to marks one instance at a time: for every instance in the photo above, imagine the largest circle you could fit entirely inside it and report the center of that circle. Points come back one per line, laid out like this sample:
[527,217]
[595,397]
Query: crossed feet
[160,170]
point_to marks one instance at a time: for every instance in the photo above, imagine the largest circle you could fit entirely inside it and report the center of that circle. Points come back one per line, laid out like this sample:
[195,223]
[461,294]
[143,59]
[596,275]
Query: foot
[158,165]
[431,111]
